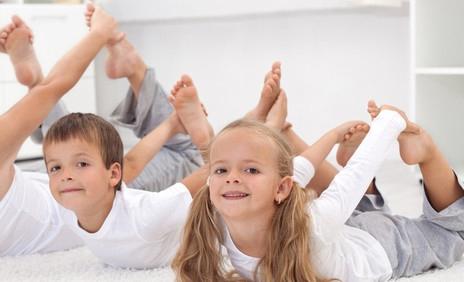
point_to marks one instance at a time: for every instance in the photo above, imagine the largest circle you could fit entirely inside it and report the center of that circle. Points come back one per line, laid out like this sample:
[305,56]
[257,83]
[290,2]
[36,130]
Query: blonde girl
[269,227]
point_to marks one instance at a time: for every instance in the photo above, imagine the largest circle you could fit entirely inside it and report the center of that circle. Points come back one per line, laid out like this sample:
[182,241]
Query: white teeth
[237,195]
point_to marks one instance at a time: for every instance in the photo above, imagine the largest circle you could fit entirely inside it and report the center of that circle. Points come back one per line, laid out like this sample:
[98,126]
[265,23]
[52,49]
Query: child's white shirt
[31,221]
[337,250]
[142,229]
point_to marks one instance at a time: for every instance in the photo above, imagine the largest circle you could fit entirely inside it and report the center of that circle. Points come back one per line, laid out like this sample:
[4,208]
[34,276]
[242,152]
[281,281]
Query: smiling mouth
[235,195]
[71,190]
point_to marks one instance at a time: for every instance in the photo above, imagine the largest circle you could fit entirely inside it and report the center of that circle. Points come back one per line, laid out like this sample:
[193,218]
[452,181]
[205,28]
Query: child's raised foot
[122,61]
[416,148]
[351,141]
[269,94]
[189,108]
[276,118]
[22,55]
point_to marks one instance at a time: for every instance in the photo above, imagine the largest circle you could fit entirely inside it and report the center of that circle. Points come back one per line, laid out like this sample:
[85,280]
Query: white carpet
[80,265]
[399,183]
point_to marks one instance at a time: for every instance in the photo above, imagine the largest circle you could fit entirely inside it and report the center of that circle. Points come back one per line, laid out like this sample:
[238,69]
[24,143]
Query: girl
[272,232]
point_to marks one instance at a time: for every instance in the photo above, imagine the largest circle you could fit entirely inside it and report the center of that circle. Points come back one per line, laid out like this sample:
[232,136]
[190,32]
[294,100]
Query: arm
[335,205]
[195,181]
[144,151]
[325,171]
[312,159]
[25,116]
[318,152]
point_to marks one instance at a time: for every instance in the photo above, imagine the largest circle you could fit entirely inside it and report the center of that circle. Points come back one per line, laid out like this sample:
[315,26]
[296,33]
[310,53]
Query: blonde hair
[287,257]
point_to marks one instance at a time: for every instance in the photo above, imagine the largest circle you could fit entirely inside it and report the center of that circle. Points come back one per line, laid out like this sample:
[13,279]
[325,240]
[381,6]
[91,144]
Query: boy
[23,229]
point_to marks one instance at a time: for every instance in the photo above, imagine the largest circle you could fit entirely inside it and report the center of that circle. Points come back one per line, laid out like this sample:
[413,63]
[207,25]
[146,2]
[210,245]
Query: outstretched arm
[144,151]
[25,116]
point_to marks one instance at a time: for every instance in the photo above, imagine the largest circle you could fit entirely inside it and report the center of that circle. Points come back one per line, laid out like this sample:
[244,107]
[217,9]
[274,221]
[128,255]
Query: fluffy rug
[80,265]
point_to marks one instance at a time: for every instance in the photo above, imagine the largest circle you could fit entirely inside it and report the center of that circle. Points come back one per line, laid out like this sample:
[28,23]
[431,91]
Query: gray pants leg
[178,157]
[57,112]
[434,240]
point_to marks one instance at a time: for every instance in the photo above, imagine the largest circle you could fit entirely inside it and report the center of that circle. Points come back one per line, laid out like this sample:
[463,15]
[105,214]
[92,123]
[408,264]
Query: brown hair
[287,257]
[93,130]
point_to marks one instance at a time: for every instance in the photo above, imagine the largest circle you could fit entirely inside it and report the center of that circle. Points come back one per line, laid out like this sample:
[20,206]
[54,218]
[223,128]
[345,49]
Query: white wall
[333,62]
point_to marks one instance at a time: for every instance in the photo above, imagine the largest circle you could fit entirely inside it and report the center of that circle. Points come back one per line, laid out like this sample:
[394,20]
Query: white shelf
[439,40]
[440,71]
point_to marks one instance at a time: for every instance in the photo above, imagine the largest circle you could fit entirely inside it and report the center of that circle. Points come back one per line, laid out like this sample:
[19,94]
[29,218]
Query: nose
[233,177]
[66,175]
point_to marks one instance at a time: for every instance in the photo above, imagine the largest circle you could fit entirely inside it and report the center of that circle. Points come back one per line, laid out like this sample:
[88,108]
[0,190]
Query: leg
[413,246]
[166,168]
[441,185]
[123,60]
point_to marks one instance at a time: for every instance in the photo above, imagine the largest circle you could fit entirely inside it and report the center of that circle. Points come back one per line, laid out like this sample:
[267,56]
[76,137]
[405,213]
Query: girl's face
[244,178]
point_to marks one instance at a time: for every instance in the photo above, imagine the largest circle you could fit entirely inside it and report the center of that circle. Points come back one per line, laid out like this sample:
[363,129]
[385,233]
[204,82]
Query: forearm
[319,151]
[145,150]
[195,181]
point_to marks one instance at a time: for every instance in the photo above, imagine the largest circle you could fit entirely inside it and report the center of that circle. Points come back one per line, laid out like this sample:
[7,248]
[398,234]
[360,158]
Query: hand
[410,126]
[345,130]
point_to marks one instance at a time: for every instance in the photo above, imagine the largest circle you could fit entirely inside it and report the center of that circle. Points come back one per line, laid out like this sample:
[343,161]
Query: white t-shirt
[340,251]
[31,220]
[142,229]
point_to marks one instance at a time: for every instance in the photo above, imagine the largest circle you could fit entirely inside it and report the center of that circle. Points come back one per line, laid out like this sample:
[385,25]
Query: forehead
[243,143]
[71,146]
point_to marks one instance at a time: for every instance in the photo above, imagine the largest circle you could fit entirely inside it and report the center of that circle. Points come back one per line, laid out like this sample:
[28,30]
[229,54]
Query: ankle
[136,78]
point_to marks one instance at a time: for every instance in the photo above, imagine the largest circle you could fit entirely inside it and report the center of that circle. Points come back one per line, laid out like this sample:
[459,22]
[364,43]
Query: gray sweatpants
[413,246]
[176,159]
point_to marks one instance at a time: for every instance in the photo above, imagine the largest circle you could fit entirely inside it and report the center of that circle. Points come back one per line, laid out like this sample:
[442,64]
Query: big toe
[186,80]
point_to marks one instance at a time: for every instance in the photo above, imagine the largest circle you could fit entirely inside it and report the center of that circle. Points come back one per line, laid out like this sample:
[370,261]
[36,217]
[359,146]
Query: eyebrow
[75,156]
[244,161]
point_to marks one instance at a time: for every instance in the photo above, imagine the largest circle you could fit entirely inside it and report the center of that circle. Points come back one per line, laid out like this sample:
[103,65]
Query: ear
[115,174]
[285,187]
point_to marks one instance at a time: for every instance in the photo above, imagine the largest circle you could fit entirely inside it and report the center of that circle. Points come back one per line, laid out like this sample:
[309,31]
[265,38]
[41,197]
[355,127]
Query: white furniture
[438,73]
[56,29]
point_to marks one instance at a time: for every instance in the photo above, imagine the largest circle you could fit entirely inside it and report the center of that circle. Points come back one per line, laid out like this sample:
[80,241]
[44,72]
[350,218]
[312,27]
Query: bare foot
[187,104]
[416,148]
[123,60]
[278,113]
[374,111]
[269,94]
[348,146]
[116,35]
[350,143]
[176,124]
[16,39]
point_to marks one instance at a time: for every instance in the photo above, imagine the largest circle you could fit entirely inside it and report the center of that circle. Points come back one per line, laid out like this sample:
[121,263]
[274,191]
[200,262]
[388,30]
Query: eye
[82,164]
[252,170]
[220,171]
[54,169]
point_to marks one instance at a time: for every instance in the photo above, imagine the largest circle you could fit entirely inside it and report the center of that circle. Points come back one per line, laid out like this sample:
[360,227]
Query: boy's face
[79,180]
